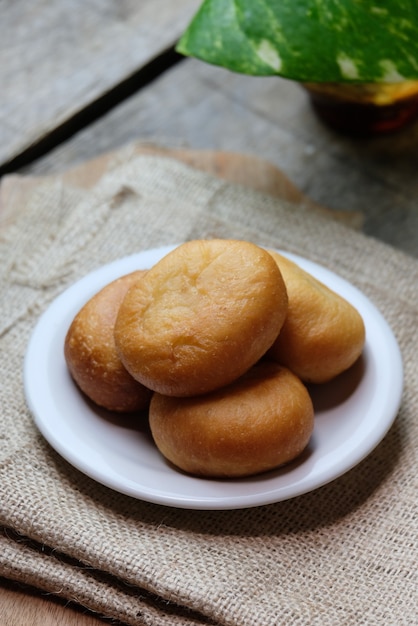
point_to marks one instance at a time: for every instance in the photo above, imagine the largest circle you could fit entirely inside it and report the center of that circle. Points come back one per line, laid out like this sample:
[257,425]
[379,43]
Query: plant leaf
[308,40]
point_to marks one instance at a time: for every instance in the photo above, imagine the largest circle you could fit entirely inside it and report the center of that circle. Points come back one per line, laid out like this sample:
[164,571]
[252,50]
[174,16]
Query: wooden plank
[56,58]
[203,107]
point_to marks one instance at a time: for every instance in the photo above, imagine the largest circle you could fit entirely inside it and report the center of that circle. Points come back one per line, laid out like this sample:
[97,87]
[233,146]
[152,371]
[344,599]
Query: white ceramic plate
[353,413]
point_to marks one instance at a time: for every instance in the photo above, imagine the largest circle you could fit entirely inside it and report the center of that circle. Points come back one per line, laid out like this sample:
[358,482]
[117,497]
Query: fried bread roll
[257,423]
[323,334]
[91,356]
[201,317]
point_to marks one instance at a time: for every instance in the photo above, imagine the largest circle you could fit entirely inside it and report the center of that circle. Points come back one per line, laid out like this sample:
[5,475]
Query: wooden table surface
[83,77]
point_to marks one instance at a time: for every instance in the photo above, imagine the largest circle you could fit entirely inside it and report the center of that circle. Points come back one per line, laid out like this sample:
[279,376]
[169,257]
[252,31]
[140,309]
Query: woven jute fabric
[343,554]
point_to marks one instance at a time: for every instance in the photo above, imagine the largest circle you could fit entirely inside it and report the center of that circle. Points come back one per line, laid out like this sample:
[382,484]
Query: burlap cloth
[344,554]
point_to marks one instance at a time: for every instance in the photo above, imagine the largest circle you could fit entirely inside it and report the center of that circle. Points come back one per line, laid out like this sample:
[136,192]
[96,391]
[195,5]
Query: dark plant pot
[364,110]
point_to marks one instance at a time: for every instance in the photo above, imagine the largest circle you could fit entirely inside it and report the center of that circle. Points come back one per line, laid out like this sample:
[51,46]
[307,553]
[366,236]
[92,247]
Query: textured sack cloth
[344,554]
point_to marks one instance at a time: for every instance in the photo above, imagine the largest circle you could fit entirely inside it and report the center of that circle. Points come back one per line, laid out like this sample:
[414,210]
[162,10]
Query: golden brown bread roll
[257,423]
[323,334]
[91,356]
[201,317]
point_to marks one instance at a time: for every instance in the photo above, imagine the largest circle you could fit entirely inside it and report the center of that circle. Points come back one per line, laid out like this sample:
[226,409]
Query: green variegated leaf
[308,40]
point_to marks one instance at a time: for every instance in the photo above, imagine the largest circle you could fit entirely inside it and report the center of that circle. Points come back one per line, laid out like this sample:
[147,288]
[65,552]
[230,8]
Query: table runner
[343,554]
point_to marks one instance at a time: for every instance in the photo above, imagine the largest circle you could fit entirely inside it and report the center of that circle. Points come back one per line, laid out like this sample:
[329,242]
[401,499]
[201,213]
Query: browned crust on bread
[91,355]
[261,421]
[323,334]
[201,317]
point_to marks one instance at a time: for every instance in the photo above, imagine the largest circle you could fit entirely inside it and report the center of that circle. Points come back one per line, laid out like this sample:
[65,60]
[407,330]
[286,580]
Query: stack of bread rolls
[216,342]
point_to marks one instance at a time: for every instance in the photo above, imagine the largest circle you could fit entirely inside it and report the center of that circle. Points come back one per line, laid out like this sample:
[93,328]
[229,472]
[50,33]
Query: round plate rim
[82,289]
